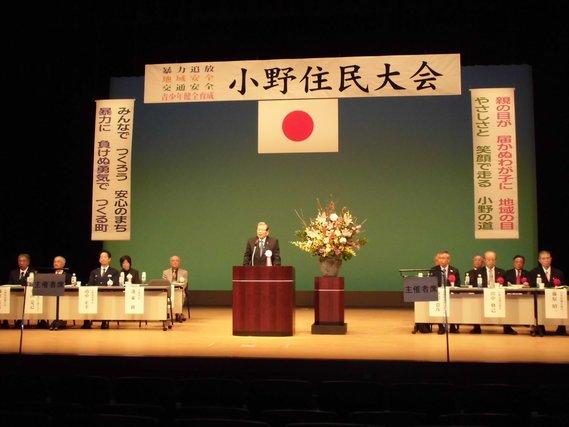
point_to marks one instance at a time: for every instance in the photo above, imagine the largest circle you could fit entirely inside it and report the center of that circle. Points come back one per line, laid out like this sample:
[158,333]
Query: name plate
[441,306]
[4,299]
[88,300]
[420,289]
[494,302]
[556,303]
[133,299]
[34,304]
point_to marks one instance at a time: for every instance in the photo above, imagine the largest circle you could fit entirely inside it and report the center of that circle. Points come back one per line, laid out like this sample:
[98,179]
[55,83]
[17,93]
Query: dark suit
[472,276]
[95,278]
[14,278]
[437,272]
[498,272]
[511,276]
[135,275]
[555,273]
[252,250]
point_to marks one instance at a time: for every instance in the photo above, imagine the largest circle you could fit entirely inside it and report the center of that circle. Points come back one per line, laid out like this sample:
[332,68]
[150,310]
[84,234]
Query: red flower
[556,281]
[500,280]
[451,278]
[524,280]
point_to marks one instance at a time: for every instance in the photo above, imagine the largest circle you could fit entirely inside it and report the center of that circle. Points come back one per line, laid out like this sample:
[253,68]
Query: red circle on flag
[298,125]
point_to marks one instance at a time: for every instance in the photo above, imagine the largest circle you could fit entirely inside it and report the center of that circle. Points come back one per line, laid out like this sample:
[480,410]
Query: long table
[110,305]
[525,306]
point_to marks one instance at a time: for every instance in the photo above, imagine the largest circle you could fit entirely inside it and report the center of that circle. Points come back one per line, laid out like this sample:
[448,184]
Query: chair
[16,388]
[152,411]
[482,419]
[25,418]
[211,392]
[225,412]
[432,399]
[145,390]
[390,418]
[280,394]
[345,396]
[551,399]
[495,398]
[217,422]
[283,417]
[82,389]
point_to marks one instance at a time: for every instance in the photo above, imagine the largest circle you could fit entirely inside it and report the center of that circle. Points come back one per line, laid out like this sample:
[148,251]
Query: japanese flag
[298,126]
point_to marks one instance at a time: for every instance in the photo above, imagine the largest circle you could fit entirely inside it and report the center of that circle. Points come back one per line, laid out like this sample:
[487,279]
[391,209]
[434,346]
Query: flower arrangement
[500,280]
[331,234]
[452,279]
[556,281]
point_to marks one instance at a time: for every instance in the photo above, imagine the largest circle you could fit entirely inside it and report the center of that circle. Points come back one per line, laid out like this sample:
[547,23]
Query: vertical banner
[4,299]
[133,299]
[34,304]
[88,298]
[494,302]
[112,169]
[556,303]
[495,164]
[438,308]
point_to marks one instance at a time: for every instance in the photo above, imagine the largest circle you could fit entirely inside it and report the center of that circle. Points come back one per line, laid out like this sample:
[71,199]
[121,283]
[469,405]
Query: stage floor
[373,334]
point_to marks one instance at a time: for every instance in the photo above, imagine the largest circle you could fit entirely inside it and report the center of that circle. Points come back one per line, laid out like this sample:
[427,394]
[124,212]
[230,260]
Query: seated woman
[126,268]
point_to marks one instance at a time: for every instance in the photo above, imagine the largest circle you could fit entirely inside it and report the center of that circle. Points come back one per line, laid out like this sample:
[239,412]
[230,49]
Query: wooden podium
[329,306]
[263,300]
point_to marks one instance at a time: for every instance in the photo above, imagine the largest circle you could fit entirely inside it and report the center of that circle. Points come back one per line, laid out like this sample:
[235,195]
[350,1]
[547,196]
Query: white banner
[133,299]
[350,77]
[437,308]
[34,304]
[494,302]
[496,213]
[556,303]
[4,299]
[112,166]
[88,300]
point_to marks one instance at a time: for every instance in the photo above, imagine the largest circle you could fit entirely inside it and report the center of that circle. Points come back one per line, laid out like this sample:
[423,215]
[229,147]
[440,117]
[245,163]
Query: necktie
[262,246]
[491,277]
[103,271]
[444,275]
[174,275]
[518,277]
[22,274]
[548,274]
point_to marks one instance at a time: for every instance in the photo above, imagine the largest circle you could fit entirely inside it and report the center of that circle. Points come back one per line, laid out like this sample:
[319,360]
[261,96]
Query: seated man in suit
[490,275]
[477,264]
[517,275]
[59,268]
[19,276]
[178,275]
[549,276]
[442,271]
[105,275]
[258,247]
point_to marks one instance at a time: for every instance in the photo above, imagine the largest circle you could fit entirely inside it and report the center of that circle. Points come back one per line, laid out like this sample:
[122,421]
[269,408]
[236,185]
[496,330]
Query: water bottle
[538,281]
[479,281]
[121,279]
[73,280]
[467,279]
[143,277]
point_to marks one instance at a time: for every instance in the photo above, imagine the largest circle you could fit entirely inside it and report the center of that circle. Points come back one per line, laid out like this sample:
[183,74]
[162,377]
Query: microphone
[254,249]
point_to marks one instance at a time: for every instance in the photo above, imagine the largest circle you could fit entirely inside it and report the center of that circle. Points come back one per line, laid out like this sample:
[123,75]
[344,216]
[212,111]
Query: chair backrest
[145,390]
[82,389]
[283,417]
[211,392]
[280,394]
[430,398]
[345,397]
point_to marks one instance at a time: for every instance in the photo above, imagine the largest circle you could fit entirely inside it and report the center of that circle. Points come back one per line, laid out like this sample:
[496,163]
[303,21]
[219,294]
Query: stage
[373,335]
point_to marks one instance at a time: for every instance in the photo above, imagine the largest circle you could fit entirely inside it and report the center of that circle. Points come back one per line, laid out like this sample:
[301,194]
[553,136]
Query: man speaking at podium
[262,250]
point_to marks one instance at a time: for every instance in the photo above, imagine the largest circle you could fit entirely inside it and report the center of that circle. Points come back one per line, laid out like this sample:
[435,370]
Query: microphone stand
[446,314]
[22,320]
[253,256]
